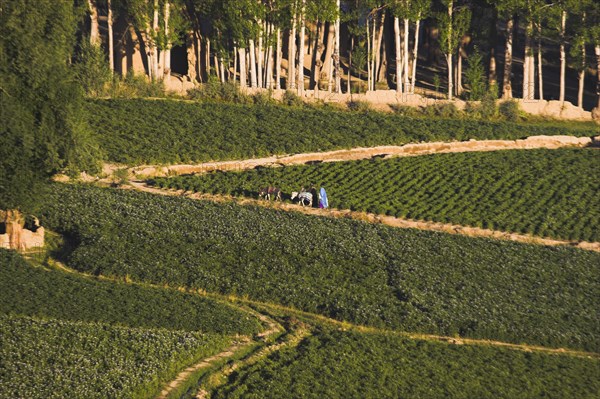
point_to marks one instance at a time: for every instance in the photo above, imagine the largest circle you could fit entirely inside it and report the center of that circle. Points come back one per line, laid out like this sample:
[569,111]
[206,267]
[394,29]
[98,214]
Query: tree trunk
[301,51]
[235,63]
[94,26]
[415,55]
[207,58]
[597,51]
[582,71]
[155,63]
[278,61]
[506,83]
[398,56]
[526,65]
[260,59]
[328,62]
[459,69]
[369,55]
[252,66]
[563,56]
[449,55]
[377,49]
[539,54]
[167,50]
[243,81]
[407,83]
[192,59]
[291,73]
[111,45]
[316,59]
[349,88]
[336,56]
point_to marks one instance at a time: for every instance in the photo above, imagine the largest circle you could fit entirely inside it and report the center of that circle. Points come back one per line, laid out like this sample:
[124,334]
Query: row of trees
[253,41]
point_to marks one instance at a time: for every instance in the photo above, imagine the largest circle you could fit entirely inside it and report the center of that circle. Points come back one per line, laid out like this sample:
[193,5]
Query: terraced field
[64,335]
[550,193]
[403,279]
[338,364]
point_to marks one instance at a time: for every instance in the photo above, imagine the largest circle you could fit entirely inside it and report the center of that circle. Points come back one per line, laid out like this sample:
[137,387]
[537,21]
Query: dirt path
[550,142]
[273,328]
[378,219]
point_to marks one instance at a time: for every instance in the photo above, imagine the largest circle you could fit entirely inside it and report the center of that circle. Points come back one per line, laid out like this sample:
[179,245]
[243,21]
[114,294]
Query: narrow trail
[533,142]
[375,219]
[273,328]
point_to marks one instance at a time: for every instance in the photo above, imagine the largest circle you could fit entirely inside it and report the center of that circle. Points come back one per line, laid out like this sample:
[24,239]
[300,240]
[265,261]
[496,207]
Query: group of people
[304,197]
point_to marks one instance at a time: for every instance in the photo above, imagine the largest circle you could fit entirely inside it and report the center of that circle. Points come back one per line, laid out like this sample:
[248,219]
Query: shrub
[91,69]
[133,85]
[219,91]
[263,97]
[292,99]
[443,110]
[509,110]
[406,110]
[475,77]
[359,106]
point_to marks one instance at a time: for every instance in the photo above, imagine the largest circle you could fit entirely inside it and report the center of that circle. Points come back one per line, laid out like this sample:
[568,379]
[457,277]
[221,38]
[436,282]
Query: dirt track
[550,142]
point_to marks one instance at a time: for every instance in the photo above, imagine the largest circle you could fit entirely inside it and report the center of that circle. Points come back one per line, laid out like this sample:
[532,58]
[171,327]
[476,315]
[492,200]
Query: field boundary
[375,219]
[413,149]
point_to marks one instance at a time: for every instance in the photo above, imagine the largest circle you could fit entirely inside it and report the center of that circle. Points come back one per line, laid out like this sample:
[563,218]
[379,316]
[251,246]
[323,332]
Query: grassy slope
[34,291]
[550,193]
[336,364]
[167,131]
[411,280]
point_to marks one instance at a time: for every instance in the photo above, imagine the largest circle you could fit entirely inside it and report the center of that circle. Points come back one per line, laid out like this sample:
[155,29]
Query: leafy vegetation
[369,274]
[336,364]
[544,192]
[167,131]
[32,291]
[53,358]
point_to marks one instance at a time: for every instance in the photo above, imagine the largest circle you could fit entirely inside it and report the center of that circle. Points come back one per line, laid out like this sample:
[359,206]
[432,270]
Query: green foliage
[368,274]
[217,91]
[167,131]
[338,364]
[553,191]
[292,99]
[442,110]
[43,129]
[135,86]
[26,290]
[475,77]
[53,358]
[509,110]
[359,106]
[91,69]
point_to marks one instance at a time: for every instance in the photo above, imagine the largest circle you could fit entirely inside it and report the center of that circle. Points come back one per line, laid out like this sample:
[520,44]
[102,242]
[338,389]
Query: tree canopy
[43,129]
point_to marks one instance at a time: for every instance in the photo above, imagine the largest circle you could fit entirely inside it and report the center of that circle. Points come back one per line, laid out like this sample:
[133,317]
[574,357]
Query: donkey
[267,192]
[305,198]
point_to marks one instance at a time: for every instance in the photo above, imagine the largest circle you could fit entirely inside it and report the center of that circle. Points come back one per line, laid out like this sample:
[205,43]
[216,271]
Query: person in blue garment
[323,200]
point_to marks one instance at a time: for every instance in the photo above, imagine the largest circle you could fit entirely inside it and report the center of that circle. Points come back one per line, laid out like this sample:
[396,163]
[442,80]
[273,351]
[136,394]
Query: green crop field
[336,364]
[553,193]
[369,274]
[34,291]
[43,358]
[167,131]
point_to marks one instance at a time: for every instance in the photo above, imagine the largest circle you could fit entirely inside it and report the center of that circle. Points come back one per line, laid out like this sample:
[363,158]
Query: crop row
[166,131]
[335,364]
[553,193]
[32,291]
[405,279]
[63,359]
